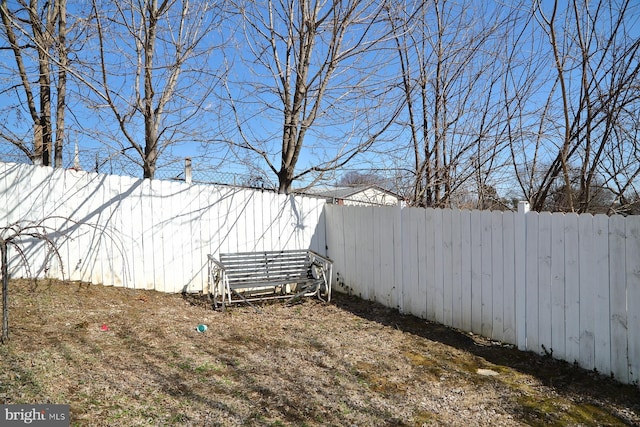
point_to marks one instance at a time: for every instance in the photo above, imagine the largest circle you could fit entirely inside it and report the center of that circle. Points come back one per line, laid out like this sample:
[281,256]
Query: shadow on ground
[563,377]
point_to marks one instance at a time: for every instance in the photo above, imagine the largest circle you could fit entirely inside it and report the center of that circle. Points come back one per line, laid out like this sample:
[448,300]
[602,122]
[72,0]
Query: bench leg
[245,300]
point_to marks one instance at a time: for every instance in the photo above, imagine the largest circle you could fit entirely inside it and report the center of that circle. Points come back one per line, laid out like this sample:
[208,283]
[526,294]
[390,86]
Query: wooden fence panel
[632,264]
[545,282]
[618,298]
[147,234]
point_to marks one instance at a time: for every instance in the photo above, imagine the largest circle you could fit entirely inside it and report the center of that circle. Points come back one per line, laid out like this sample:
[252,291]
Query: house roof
[346,192]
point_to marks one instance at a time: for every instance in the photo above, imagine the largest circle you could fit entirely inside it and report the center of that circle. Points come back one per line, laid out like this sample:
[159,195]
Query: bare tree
[153,74]
[451,80]
[591,106]
[310,97]
[12,236]
[355,178]
[37,36]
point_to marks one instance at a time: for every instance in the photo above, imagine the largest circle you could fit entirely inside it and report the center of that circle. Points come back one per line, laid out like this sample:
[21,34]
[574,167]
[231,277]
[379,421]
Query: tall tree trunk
[62,81]
[5,292]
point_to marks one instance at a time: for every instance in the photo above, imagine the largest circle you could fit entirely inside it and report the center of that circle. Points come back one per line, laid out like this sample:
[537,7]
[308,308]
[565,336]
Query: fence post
[520,275]
[187,170]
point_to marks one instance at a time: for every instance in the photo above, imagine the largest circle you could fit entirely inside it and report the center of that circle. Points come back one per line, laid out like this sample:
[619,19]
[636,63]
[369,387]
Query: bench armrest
[323,258]
[326,264]
[216,262]
[218,284]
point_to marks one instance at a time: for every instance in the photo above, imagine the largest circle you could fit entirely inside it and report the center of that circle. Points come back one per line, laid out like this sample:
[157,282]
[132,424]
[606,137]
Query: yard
[346,363]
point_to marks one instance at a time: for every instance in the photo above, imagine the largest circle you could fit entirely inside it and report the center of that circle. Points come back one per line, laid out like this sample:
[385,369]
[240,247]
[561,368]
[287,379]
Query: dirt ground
[347,363]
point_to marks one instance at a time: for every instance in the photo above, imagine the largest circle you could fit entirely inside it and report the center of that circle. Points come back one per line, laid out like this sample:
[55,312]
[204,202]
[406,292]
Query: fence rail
[563,284]
[147,234]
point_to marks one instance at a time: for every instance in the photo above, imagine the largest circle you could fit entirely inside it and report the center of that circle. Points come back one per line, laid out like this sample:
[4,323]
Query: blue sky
[249,85]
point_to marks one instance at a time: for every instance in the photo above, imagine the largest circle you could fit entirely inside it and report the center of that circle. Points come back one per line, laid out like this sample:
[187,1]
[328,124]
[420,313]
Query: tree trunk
[62,81]
[5,293]
[285,179]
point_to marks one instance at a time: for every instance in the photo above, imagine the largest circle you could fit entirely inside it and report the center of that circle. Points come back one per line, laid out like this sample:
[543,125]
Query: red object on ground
[104,327]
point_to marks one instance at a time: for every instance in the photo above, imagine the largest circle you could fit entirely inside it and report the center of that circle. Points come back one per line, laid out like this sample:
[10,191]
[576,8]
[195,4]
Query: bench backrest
[267,266]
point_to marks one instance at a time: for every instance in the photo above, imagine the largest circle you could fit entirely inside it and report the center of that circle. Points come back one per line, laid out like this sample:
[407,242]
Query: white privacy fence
[557,283]
[146,234]
[562,284]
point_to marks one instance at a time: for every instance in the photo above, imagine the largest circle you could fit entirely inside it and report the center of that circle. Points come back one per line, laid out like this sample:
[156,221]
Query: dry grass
[346,363]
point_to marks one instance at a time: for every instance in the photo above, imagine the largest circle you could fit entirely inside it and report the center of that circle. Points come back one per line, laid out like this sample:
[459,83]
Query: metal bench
[256,276]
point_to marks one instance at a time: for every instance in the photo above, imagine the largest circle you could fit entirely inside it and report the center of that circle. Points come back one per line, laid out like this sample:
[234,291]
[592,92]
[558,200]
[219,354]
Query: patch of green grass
[207,367]
[178,418]
[558,412]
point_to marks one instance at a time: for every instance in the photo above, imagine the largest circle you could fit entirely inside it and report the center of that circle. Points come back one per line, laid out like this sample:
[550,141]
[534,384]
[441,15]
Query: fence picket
[465,271]
[602,333]
[349,268]
[618,297]
[385,256]
[456,269]
[446,282]
[114,274]
[587,291]
[531,283]
[509,278]
[497,276]
[558,286]
[486,294]
[408,282]
[632,264]
[427,250]
[544,281]
[476,272]
[437,294]
[520,271]
[397,259]
[572,287]
[364,251]
[376,254]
